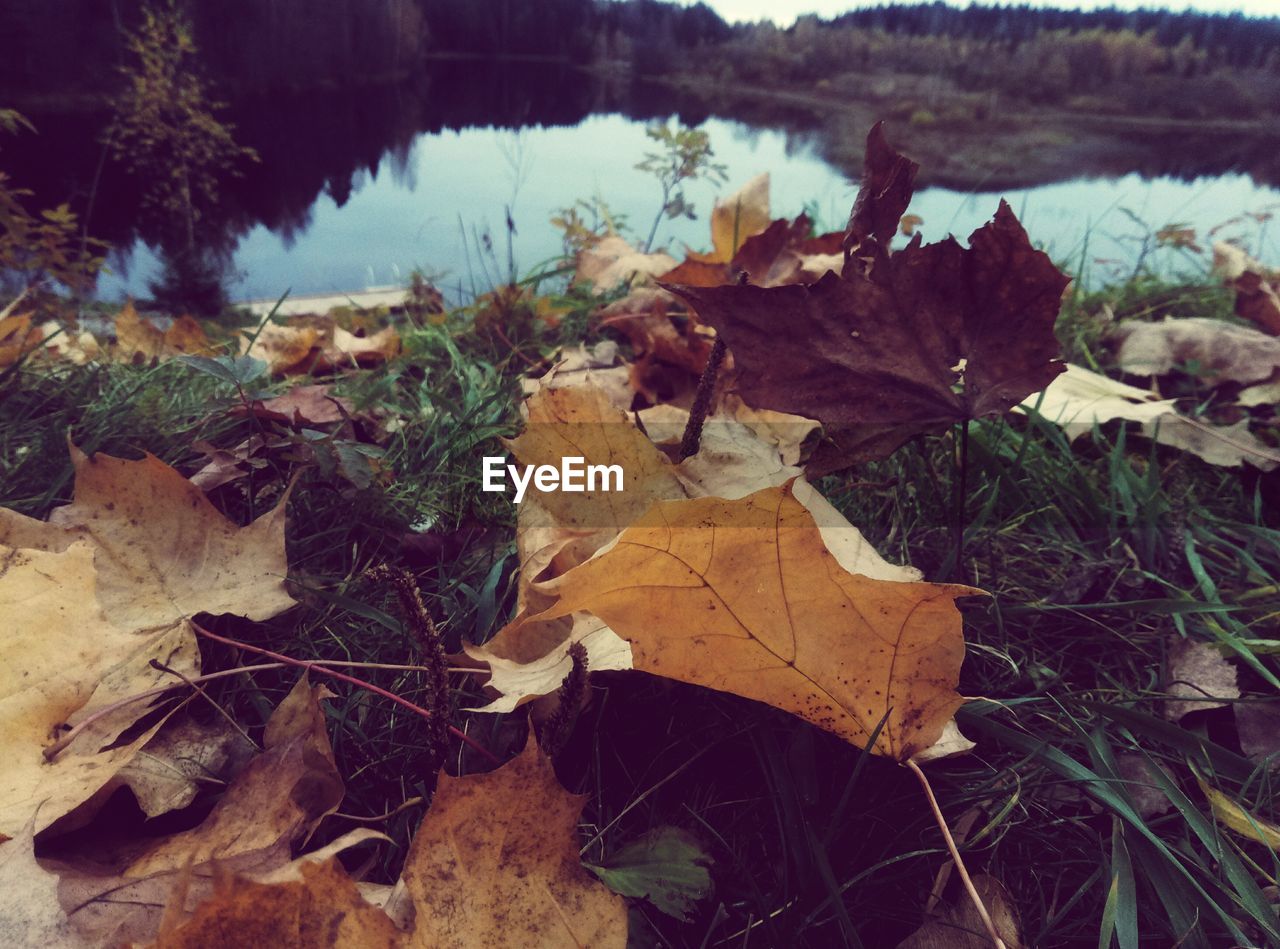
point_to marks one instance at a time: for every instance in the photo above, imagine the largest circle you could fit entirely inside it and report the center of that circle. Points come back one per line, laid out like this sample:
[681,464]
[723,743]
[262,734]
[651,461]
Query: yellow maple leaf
[744,597]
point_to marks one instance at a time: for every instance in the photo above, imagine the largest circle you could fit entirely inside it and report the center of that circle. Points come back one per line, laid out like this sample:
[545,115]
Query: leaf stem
[352,680]
[960,491]
[955,856]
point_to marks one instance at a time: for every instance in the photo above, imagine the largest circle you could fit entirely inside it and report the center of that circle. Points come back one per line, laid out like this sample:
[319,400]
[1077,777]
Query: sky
[785,12]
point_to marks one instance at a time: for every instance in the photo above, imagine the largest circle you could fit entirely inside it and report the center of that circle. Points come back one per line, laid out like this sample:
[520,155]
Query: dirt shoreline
[1015,147]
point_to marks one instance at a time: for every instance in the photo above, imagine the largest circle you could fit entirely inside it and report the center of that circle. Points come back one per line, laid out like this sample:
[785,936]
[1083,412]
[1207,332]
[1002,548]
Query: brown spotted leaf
[744,597]
[495,863]
[278,799]
[322,909]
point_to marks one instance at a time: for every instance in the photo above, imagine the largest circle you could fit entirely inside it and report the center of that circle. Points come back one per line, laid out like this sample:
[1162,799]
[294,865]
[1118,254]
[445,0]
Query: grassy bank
[1100,556]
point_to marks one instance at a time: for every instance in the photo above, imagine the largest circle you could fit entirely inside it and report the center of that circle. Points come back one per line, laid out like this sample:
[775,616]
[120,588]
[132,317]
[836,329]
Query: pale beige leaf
[1227,446]
[30,913]
[346,350]
[63,661]
[169,772]
[1080,398]
[1224,352]
[163,552]
[518,682]
[1266,393]
[611,261]
[1198,678]
[788,433]
[962,928]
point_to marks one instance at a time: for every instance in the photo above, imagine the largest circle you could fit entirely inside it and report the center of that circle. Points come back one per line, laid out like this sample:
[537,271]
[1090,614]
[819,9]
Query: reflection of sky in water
[455,186]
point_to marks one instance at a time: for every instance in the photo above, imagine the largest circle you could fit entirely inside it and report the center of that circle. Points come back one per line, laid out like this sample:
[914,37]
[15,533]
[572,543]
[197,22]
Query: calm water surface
[430,206]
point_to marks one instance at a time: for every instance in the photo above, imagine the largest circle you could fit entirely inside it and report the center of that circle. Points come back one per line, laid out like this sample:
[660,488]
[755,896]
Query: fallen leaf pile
[301,344]
[878,346]
[319,344]
[670,345]
[110,583]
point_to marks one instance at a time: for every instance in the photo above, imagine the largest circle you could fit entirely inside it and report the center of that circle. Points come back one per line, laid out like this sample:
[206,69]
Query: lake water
[431,209]
[359,187]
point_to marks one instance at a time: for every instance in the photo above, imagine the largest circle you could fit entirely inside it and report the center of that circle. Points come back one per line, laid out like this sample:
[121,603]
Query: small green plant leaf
[667,867]
[238,370]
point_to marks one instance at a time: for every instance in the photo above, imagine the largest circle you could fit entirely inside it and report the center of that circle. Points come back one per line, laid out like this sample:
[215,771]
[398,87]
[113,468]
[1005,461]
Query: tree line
[72,47]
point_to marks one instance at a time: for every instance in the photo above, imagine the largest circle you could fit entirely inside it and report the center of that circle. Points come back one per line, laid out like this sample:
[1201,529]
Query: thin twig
[956,859]
[188,681]
[961,487]
[412,802]
[53,750]
[351,680]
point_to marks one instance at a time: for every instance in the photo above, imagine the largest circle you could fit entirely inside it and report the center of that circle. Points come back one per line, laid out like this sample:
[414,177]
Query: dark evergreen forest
[71,48]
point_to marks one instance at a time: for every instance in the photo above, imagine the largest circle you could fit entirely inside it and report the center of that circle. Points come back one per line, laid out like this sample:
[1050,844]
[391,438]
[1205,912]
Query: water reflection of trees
[325,142]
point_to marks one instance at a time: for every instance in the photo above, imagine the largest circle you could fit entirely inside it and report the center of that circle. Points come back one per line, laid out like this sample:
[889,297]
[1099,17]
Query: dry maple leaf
[17,338]
[96,593]
[302,406]
[495,863]
[163,551]
[888,181]
[782,253]
[317,344]
[929,336]
[897,344]
[581,421]
[1257,289]
[279,797]
[322,910]
[137,338]
[744,597]
[64,659]
[113,910]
